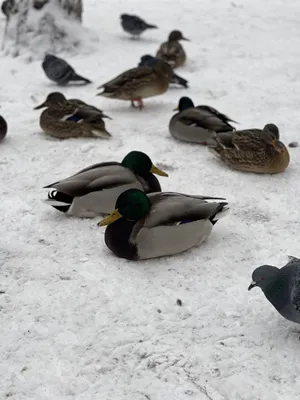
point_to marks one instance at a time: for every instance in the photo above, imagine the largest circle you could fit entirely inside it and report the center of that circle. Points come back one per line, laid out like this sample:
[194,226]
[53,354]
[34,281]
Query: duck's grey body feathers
[198,124]
[94,190]
[175,223]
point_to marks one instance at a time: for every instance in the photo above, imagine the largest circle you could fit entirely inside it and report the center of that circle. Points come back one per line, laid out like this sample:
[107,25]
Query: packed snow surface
[78,323]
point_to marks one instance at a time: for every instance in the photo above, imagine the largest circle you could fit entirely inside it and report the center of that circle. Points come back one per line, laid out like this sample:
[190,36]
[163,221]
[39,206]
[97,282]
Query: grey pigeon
[59,71]
[134,25]
[3,128]
[281,287]
[150,61]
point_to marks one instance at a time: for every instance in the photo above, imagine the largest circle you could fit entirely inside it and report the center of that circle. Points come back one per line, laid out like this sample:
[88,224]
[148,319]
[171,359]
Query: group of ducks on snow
[143,221]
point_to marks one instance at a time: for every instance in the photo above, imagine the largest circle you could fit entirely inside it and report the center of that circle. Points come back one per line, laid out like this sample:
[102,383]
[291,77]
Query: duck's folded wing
[91,179]
[205,119]
[172,208]
[213,110]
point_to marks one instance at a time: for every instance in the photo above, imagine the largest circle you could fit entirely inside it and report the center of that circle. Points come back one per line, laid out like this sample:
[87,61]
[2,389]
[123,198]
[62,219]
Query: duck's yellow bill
[157,171]
[114,216]
[176,109]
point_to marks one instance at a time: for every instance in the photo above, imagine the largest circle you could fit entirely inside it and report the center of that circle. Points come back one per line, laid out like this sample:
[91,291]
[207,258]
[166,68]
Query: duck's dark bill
[40,106]
[114,216]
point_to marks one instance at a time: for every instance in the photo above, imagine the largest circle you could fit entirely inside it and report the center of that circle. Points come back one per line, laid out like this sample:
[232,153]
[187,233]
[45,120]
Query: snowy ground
[77,323]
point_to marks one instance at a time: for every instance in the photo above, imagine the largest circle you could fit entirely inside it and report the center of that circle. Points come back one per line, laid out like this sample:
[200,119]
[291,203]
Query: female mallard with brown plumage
[251,150]
[65,119]
[159,224]
[197,124]
[171,51]
[137,84]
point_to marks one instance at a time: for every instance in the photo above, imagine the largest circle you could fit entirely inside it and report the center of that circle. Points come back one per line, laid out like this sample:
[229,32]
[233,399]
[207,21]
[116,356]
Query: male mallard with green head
[159,224]
[94,190]
[197,124]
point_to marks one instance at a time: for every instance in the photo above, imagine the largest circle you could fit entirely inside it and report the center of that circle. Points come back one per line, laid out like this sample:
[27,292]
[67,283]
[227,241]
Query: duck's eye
[262,278]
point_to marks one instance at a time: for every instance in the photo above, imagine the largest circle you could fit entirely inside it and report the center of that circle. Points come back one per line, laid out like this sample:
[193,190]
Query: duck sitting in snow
[65,119]
[3,128]
[159,224]
[251,150]
[171,51]
[139,83]
[197,124]
[94,190]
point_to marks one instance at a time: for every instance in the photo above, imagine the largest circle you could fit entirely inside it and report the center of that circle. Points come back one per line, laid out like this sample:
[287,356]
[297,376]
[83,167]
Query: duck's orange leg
[139,101]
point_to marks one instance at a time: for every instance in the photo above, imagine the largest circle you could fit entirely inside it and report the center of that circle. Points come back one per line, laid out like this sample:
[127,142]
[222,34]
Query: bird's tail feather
[76,77]
[221,212]
[149,26]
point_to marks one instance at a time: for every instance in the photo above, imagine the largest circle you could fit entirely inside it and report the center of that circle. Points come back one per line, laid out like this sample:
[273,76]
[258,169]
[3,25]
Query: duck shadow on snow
[142,40]
[126,107]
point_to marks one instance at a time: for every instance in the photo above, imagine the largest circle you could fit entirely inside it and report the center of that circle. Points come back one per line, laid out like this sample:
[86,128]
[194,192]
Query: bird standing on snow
[139,83]
[149,61]
[3,128]
[281,287]
[171,51]
[134,25]
[59,71]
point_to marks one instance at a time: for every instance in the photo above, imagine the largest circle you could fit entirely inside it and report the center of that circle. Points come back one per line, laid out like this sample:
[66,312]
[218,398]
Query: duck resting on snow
[251,150]
[71,118]
[153,225]
[197,124]
[93,190]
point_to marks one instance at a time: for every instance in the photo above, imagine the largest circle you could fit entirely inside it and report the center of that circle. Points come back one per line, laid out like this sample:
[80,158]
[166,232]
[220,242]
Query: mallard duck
[171,51]
[252,150]
[134,25]
[137,84]
[159,224]
[197,124]
[148,61]
[65,119]
[94,190]
[3,128]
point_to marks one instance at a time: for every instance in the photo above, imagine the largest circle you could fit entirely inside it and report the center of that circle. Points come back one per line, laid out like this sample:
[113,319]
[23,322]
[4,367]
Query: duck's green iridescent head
[133,205]
[184,104]
[140,163]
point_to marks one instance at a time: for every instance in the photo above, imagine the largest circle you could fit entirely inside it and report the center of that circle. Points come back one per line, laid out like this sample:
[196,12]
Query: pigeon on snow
[59,71]
[135,25]
[149,61]
[3,127]
[281,287]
